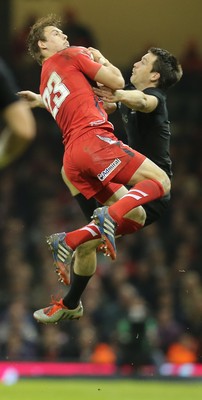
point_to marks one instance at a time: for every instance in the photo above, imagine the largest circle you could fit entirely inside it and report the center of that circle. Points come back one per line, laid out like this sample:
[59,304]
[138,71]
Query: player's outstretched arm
[134,99]
[34,100]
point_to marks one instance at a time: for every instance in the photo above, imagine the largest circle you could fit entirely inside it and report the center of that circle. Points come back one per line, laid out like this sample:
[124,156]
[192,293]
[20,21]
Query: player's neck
[142,86]
[48,55]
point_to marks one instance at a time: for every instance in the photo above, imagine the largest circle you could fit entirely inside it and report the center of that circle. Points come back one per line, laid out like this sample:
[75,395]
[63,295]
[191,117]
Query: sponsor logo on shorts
[107,139]
[107,171]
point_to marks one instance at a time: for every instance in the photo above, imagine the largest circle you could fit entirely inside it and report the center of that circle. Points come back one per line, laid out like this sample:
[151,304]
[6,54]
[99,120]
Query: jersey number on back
[56,92]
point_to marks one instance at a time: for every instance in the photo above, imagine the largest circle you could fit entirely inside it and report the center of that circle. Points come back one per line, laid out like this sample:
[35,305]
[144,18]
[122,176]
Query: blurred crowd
[145,308]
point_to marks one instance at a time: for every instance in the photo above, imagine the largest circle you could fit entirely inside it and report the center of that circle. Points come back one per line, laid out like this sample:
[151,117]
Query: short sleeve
[86,64]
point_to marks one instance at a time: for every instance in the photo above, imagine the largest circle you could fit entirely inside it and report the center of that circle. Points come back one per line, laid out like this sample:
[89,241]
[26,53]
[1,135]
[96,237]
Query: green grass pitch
[97,389]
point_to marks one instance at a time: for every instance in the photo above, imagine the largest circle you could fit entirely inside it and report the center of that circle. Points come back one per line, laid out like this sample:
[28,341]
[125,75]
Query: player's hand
[106,94]
[109,107]
[97,55]
[34,100]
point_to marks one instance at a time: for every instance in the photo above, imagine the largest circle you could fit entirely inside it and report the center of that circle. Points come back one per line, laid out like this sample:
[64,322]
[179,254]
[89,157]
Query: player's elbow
[118,83]
[141,104]
[121,83]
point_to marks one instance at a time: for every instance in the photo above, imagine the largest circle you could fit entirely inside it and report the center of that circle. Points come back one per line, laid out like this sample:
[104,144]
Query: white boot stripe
[107,221]
[62,248]
[108,232]
[63,253]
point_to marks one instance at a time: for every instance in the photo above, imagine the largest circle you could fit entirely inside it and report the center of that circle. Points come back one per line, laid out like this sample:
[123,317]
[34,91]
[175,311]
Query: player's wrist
[119,93]
[39,101]
[102,60]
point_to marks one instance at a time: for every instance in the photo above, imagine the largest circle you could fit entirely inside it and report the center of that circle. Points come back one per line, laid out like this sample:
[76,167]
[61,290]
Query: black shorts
[156,209]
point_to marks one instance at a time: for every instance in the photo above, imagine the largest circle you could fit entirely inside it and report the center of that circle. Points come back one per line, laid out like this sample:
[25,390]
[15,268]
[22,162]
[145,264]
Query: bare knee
[138,215]
[87,247]
[165,182]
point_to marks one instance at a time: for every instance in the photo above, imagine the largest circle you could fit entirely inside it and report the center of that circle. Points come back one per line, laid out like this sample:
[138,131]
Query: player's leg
[132,222]
[157,209]
[154,209]
[120,164]
[87,206]
[84,267]
[63,245]
[63,248]
[70,307]
[149,182]
[109,195]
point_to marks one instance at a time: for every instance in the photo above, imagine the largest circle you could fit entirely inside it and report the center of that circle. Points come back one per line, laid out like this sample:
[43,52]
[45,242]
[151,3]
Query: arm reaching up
[108,75]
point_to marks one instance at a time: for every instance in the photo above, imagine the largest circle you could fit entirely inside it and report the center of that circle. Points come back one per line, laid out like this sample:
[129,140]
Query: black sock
[79,283]
[87,205]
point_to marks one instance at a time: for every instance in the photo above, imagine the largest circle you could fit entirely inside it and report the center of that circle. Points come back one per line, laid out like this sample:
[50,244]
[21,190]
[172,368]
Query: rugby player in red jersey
[95,162]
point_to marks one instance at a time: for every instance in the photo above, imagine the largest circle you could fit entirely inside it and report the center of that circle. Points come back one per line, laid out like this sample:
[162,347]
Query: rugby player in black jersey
[144,113]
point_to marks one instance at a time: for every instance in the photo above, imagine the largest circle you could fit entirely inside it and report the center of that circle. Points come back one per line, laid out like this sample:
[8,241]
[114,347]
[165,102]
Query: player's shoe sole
[62,256]
[57,312]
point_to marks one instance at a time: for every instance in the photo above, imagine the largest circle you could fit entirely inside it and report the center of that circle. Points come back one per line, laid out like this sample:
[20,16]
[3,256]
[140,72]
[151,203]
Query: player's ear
[42,44]
[155,76]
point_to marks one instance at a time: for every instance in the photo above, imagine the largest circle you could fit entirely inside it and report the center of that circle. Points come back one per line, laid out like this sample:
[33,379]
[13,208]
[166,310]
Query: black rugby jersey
[149,133]
[8,87]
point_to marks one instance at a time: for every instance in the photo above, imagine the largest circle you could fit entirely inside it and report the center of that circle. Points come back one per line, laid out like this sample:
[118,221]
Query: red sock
[141,193]
[82,235]
[127,226]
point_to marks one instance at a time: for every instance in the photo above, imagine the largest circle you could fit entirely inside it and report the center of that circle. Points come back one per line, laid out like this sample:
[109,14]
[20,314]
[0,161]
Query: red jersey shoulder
[79,58]
[74,51]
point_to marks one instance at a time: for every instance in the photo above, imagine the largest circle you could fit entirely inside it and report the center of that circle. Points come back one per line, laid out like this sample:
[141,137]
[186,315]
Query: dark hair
[37,33]
[168,67]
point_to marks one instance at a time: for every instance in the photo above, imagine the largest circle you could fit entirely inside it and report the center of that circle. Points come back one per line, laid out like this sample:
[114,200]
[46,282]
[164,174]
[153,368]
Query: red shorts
[94,159]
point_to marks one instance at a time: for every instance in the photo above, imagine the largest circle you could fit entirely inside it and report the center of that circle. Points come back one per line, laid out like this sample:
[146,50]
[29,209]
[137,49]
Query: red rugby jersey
[67,93]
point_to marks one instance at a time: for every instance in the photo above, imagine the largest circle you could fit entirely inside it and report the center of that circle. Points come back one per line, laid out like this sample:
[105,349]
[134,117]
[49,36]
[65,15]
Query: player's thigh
[117,195]
[74,191]
[147,170]
[111,193]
